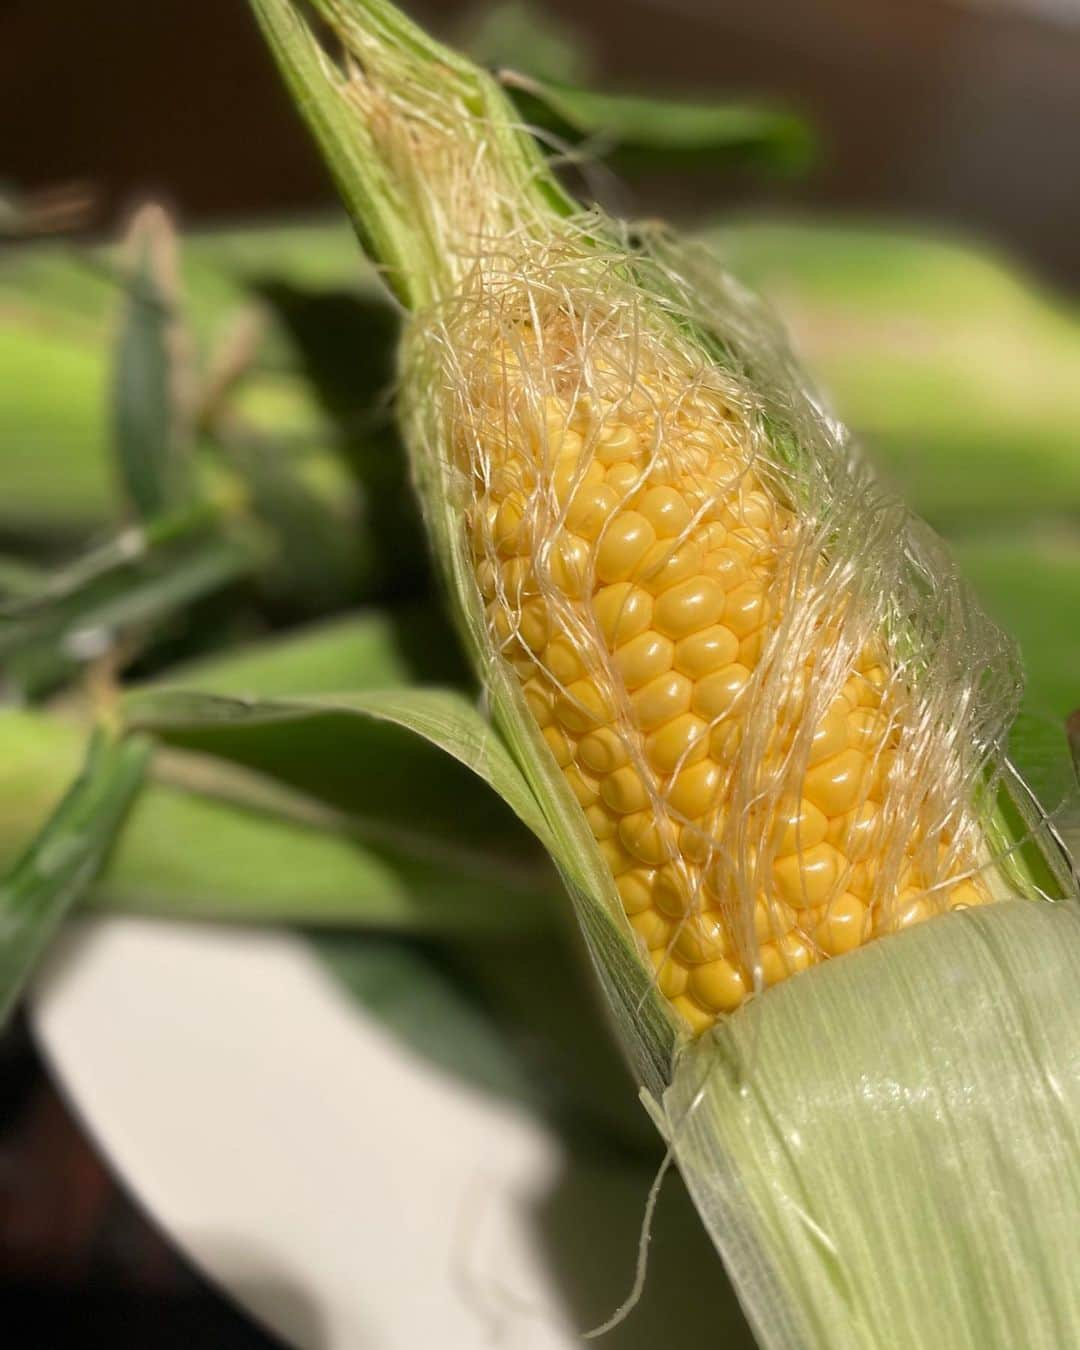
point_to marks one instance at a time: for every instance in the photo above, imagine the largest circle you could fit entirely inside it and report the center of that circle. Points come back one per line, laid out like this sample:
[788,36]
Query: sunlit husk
[885,1150]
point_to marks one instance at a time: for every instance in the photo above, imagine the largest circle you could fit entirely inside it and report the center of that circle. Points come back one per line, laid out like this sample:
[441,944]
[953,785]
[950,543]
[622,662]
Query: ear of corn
[763,716]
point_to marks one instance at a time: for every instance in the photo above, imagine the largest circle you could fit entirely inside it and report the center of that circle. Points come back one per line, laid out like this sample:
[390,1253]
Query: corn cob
[763,718]
[756,681]
[634,567]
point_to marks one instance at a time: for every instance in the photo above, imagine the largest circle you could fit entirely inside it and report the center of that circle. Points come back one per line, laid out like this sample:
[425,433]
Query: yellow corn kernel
[636,890]
[689,606]
[538,697]
[624,790]
[661,700]
[671,974]
[798,825]
[603,751]
[699,839]
[582,706]
[706,651]
[912,906]
[559,745]
[718,986]
[623,611]
[644,658]
[667,563]
[725,565]
[772,918]
[590,509]
[694,792]
[724,740]
[617,443]
[808,878]
[582,785]
[746,609]
[510,532]
[673,890]
[570,477]
[966,895]
[700,1019]
[677,744]
[830,735]
[715,695]
[616,857]
[666,510]
[625,542]
[647,838]
[836,785]
[533,625]
[841,925]
[562,660]
[653,929]
[625,478]
[701,937]
[602,823]
[784,956]
[867,730]
[856,832]
[568,565]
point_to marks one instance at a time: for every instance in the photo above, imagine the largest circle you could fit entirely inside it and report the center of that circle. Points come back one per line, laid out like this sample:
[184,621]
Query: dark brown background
[960,112]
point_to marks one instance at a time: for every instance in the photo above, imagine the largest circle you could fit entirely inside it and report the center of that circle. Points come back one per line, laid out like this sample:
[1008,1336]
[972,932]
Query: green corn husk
[270,837]
[843,1137]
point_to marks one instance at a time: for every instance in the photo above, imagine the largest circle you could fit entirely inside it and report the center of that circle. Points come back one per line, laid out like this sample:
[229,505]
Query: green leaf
[18,578]
[1029,579]
[345,344]
[55,476]
[952,367]
[666,132]
[207,841]
[153,462]
[57,318]
[377,649]
[413,744]
[63,860]
[137,578]
[528,37]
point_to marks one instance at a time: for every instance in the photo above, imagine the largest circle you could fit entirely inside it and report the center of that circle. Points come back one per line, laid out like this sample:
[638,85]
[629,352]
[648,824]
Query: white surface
[344,1192]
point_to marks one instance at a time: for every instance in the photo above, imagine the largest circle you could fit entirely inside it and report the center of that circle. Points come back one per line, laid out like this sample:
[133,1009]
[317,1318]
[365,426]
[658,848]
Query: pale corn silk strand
[527,378]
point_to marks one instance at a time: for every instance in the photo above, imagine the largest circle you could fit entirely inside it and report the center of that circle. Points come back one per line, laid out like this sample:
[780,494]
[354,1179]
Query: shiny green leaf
[666,132]
[153,462]
[60,864]
[206,841]
[135,579]
[408,761]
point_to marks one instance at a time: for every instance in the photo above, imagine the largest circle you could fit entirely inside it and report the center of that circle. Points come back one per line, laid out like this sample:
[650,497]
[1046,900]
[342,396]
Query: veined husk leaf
[888,1150]
[354,89]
